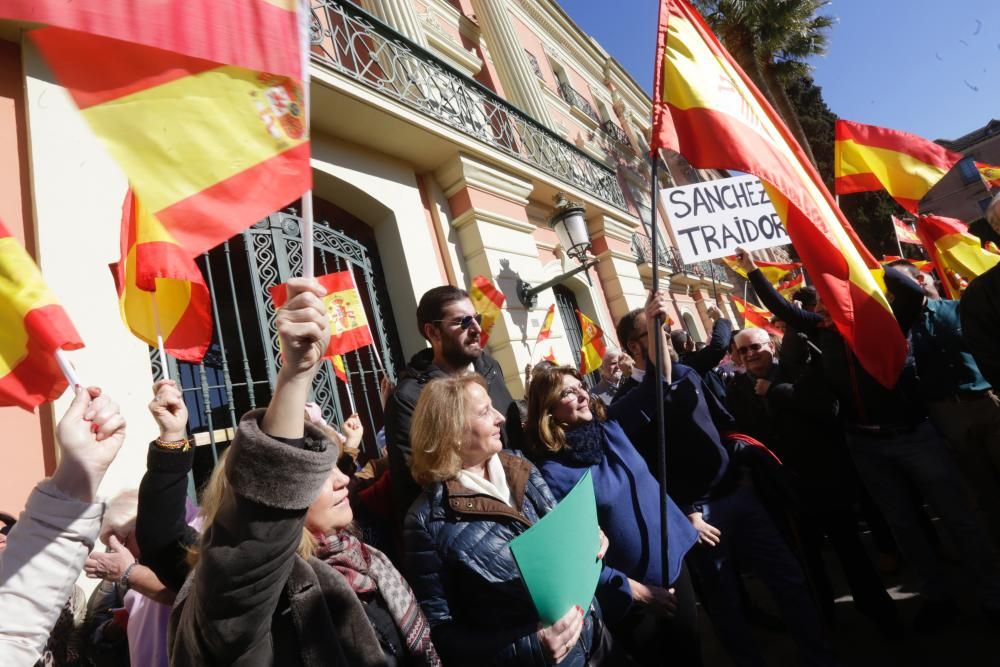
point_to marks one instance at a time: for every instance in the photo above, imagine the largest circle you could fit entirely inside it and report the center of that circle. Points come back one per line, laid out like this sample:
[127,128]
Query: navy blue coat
[461,568]
[628,510]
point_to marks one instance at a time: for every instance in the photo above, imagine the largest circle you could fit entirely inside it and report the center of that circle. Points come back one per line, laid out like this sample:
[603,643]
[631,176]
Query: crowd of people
[299,552]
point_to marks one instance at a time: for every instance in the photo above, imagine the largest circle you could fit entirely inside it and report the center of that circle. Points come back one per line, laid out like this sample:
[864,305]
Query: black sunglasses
[465,321]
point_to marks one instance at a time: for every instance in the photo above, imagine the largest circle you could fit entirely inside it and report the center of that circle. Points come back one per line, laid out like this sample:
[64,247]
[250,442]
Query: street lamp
[571,229]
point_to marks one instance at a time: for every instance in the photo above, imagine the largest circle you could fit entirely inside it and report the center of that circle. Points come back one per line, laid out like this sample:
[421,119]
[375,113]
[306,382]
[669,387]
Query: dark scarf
[584,445]
[368,570]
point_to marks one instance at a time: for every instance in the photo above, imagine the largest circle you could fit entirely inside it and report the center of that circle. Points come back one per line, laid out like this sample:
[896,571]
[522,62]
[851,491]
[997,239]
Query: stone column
[400,15]
[516,75]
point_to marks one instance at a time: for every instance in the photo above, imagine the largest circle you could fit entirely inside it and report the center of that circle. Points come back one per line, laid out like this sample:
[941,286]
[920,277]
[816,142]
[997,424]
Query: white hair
[753,334]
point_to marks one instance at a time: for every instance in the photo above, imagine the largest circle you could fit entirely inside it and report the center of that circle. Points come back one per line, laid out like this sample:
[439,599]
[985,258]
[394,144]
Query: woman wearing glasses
[651,613]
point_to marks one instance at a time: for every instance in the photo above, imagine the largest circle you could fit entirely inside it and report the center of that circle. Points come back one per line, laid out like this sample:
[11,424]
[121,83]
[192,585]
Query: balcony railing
[615,132]
[669,258]
[573,97]
[349,41]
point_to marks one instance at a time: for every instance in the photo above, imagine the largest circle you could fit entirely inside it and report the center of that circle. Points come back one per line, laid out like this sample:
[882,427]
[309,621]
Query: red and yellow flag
[153,266]
[990,174]
[339,367]
[592,347]
[708,110]
[921,264]
[551,356]
[788,287]
[210,146]
[903,232]
[773,271]
[957,255]
[755,317]
[348,323]
[546,329]
[488,302]
[32,327]
[866,158]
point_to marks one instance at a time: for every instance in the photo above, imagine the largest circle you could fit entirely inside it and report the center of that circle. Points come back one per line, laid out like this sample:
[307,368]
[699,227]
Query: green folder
[558,555]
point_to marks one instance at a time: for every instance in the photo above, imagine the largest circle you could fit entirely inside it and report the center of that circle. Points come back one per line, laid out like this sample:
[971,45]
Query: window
[970,175]
[534,64]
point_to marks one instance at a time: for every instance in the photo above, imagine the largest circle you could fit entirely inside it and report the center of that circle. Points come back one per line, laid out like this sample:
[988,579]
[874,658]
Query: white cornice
[466,171]
[475,215]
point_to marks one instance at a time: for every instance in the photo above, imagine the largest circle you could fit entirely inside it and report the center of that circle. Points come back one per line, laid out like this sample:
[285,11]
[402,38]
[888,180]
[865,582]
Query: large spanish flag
[866,158]
[990,174]
[349,328]
[957,255]
[488,302]
[32,327]
[592,346]
[153,267]
[773,271]
[209,147]
[708,110]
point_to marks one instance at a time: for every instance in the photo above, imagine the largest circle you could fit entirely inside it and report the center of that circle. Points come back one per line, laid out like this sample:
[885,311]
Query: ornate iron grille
[353,43]
[615,132]
[573,97]
[239,371]
[670,259]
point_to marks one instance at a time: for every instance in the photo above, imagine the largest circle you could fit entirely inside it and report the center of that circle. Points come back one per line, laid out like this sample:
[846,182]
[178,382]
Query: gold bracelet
[183,445]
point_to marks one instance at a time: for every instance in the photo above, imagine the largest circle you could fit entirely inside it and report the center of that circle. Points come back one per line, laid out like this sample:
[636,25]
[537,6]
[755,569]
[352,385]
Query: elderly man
[611,376]
[795,414]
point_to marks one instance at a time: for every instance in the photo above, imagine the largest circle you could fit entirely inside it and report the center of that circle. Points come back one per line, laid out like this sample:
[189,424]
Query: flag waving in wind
[755,317]
[153,267]
[708,110]
[207,122]
[349,328]
[546,330]
[870,158]
[488,302]
[957,255]
[903,232]
[32,327]
[592,347]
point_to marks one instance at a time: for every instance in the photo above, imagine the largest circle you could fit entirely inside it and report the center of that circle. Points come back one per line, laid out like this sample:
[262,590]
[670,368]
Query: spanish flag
[755,317]
[957,255]
[546,329]
[488,302]
[921,264]
[990,174]
[866,158]
[773,271]
[708,110]
[903,232]
[339,368]
[153,267]
[32,327]
[209,147]
[788,287]
[592,347]
[551,356]
[348,323]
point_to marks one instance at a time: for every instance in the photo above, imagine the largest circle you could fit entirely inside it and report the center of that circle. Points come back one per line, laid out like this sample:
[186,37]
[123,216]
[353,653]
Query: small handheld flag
[592,346]
[348,323]
[488,302]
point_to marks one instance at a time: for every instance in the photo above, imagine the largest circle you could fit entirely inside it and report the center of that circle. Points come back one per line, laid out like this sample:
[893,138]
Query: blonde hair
[545,434]
[212,495]
[120,514]
[437,428]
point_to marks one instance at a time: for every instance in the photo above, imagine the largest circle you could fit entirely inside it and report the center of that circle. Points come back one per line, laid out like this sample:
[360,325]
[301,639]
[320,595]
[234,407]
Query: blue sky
[906,64]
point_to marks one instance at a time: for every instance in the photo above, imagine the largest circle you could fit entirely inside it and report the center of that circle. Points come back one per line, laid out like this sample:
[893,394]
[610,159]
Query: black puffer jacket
[464,575]
[399,413]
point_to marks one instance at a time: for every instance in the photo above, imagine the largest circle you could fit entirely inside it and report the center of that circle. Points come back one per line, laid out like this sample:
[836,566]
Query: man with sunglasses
[450,323]
[794,413]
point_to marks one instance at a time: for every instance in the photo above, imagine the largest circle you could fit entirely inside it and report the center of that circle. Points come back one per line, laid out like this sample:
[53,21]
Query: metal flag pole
[66,366]
[895,233]
[307,196]
[660,422]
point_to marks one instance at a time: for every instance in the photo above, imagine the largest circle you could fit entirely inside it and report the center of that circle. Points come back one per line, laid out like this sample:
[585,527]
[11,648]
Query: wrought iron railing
[618,134]
[349,41]
[573,97]
[669,258]
[534,63]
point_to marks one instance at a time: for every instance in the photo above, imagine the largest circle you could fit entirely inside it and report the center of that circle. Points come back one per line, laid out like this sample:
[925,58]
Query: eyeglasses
[756,347]
[465,321]
[573,391]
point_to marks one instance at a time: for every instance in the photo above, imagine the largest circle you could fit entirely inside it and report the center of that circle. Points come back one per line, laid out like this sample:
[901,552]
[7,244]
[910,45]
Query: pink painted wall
[28,452]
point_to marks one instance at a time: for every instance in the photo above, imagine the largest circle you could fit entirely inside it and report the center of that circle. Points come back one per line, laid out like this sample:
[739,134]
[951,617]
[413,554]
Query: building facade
[443,132]
[961,193]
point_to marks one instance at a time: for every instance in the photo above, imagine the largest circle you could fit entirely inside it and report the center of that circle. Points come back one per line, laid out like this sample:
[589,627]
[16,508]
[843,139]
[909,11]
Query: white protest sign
[713,218]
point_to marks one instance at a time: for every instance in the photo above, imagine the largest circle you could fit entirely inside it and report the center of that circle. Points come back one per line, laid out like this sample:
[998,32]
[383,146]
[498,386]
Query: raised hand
[745,261]
[354,431]
[90,435]
[558,639]
[169,411]
[109,566]
[303,327]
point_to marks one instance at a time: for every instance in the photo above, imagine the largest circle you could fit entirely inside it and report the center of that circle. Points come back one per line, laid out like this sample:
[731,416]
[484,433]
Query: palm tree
[772,40]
